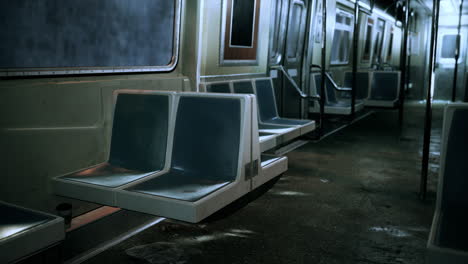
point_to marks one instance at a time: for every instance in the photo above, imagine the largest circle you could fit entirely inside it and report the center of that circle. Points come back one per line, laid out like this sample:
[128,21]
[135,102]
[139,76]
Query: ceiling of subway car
[449,6]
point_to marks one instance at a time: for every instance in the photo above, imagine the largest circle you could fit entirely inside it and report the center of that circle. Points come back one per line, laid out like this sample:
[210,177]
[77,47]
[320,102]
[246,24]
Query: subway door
[279,20]
[293,56]
[445,66]
[293,51]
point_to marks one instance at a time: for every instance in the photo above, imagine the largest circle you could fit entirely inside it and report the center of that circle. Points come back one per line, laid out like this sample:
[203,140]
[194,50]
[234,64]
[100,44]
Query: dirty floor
[350,198]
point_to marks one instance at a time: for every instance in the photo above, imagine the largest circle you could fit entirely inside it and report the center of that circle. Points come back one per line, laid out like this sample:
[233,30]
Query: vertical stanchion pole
[355,57]
[457,55]
[323,62]
[430,89]
[404,55]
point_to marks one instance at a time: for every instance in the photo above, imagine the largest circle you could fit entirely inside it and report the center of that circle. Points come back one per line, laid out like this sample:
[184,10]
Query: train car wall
[54,125]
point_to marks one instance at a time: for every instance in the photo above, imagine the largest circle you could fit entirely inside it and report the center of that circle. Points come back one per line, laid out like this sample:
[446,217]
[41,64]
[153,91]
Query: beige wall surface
[210,65]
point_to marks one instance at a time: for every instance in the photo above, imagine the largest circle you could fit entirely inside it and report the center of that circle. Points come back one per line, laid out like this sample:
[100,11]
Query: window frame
[230,55]
[93,70]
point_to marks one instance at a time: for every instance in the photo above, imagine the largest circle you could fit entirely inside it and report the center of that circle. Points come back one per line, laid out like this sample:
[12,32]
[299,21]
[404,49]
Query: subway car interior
[234,131]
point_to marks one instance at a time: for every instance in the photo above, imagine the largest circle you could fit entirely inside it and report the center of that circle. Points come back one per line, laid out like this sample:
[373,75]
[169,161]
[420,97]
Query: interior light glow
[446,6]
[9,230]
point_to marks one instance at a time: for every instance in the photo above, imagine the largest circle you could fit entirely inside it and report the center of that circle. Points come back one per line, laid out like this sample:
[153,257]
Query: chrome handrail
[335,86]
[294,84]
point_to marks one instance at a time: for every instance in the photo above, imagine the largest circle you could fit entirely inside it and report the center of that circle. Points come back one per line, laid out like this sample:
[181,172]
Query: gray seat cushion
[108,175]
[288,122]
[181,185]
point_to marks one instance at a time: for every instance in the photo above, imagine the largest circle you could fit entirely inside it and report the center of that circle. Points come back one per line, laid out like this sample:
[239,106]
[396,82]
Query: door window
[342,38]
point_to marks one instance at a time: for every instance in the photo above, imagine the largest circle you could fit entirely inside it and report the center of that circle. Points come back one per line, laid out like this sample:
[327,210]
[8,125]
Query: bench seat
[333,104]
[24,232]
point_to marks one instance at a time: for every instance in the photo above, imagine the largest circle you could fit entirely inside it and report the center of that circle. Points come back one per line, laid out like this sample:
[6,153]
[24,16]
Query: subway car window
[293,31]
[277,30]
[390,46]
[368,41]
[63,34]
[242,23]
[449,46]
[378,43]
[342,38]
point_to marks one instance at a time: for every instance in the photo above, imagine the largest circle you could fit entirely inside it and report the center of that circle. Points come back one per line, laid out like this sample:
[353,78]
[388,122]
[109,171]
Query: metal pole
[408,64]
[428,117]
[457,55]
[305,64]
[404,55]
[283,61]
[323,62]
[355,57]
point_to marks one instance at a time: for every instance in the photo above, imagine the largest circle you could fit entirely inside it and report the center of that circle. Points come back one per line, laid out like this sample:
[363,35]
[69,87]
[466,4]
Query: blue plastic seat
[333,104]
[137,150]
[286,129]
[208,125]
[448,241]
[385,86]
[384,89]
[267,106]
[363,79]
[138,142]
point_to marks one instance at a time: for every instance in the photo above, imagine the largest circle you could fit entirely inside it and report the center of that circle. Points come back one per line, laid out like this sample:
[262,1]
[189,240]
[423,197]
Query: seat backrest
[362,91]
[385,85]
[207,136]
[139,131]
[266,100]
[222,87]
[243,87]
[454,169]
[330,93]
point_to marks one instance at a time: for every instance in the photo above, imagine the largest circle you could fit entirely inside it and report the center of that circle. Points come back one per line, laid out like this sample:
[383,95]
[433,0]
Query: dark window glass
[348,21]
[449,46]
[344,47]
[376,47]
[367,46]
[339,19]
[336,41]
[390,46]
[342,37]
[276,17]
[86,33]
[293,32]
[242,22]
[378,43]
